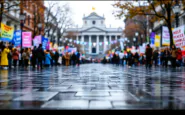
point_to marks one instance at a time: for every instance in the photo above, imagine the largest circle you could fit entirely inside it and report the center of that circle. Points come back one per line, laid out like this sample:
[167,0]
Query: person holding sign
[4,56]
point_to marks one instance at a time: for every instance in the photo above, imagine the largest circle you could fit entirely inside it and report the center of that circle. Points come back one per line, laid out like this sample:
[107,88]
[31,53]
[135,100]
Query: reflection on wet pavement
[93,86]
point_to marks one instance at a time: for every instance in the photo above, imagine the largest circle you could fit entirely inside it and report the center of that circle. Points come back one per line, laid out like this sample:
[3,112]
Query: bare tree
[57,18]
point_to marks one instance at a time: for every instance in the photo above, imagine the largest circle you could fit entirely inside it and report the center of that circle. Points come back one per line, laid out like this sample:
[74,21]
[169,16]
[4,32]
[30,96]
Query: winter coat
[179,55]
[67,57]
[47,59]
[15,55]
[149,52]
[4,57]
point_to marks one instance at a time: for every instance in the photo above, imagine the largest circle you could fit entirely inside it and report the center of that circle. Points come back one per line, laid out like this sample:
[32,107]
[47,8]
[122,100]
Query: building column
[90,48]
[116,37]
[76,38]
[110,39]
[104,41]
[82,40]
[97,43]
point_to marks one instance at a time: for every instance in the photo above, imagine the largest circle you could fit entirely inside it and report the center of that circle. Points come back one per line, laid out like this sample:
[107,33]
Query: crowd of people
[36,57]
[165,57]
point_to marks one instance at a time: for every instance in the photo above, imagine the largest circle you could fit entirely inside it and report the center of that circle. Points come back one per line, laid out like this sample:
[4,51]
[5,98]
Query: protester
[166,57]
[78,58]
[67,58]
[179,57]
[56,57]
[26,57]
[34,57]
[130,59]
[173,56]
[47,58]
[121,57]
[4,56]
[15,56]
[155,57]
[10,58]
[73,58]
[40,56]
[148,54]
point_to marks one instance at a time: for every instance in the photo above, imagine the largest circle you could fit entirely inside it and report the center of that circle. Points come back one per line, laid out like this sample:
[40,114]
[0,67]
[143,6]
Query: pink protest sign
[37,40]
[26,39]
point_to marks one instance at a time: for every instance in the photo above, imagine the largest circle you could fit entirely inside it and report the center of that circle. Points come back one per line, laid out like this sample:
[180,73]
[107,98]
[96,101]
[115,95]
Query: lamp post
[134,39]
[150,30]
[136,34]
[161,24]
[60,41]
[176,10]
[40,27]
[128,42]
[142,39]
[22,18]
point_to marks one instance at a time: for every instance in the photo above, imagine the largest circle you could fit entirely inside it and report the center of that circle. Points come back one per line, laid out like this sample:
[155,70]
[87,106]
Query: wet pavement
[93,86]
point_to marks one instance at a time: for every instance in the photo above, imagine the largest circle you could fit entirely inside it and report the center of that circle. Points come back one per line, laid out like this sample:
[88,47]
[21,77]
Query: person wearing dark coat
[56,57]
[130,59]
[34,57]
[73,58]
[40,55]
[148,54]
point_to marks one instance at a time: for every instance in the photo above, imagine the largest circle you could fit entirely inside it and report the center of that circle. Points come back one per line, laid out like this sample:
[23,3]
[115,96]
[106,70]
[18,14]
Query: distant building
[95,34]
[12,18]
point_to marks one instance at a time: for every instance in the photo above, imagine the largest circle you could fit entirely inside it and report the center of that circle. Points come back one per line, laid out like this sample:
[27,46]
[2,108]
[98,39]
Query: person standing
[166,57]
[47,58]
[10,58]
[26,57]
[67,58]
[56,57]
[15,56]
[73,58]
[40,55]
[130,58]
[52,57]
[117,60]
[34,57]
[173,56]
[121,55]
[78,58]
[155,57]
[148,54]
[4,56]
[63,59]
[179,57]
[136,59]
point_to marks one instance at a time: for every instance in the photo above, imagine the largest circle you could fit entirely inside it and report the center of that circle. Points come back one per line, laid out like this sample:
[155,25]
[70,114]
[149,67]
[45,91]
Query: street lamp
[22,18]
[150,30]
[40,27]
[176,10]
[134,39]
[136,34]
[60,41]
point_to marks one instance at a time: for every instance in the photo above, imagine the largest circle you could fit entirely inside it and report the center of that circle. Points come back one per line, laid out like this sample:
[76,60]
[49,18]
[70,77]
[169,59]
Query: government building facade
[95,34]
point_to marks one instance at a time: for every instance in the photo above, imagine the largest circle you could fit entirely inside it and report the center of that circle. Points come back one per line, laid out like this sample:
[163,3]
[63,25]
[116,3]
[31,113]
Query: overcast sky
[79,8]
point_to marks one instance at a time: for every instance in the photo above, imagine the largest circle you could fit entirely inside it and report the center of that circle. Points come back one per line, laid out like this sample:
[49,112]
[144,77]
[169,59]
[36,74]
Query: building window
[8,23]
[93,22]
[28,20]
[26,17]
[15,27]
[85,22]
